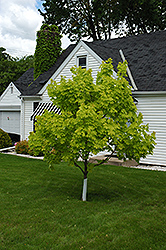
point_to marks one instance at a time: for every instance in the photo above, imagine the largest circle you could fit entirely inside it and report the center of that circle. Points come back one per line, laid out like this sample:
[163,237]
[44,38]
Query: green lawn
[42,209]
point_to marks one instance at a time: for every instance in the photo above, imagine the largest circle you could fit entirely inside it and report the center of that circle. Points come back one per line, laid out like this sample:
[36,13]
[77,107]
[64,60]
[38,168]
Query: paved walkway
[129,163]
[113,161]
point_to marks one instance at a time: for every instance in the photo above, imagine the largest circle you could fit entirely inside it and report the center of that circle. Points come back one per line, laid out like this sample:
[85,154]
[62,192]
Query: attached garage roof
[44,106]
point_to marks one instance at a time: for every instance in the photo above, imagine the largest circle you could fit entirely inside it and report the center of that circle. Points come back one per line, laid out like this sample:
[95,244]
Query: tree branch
[79,167]
[105,160]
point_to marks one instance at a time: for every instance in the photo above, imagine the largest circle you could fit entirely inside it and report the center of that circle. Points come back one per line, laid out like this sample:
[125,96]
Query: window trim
[82,56]
[11,90]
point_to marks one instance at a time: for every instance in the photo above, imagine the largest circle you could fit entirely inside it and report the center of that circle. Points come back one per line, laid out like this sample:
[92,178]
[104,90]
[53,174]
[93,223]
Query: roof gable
[145,54]
[68,58]
[7,95]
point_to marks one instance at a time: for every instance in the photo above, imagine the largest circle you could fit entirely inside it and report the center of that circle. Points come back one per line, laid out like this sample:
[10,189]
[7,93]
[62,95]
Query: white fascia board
[13,85]
[66,61]
[128,71]
[6,90]
[90,51]
[10,108]
[135,93]
[98,58]
[33,97]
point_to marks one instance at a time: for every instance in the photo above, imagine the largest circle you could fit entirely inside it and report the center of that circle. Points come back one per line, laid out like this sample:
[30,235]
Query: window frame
[11,90]
[78,57]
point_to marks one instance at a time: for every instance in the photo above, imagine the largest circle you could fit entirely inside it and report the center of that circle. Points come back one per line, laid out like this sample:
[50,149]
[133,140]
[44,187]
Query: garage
[10,121]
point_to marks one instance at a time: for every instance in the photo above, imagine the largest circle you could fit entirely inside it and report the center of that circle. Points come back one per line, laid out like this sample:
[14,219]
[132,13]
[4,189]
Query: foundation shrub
[5,140]
[22,147]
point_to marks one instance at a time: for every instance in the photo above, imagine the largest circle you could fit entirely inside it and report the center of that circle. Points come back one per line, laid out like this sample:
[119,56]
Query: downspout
[128,71]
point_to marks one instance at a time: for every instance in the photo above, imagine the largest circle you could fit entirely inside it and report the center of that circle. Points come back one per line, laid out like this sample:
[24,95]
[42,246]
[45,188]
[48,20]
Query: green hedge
[5,140]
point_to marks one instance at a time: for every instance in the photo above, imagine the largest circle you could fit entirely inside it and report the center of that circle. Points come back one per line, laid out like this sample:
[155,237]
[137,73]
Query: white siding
[45,97]
[10,106]
[9,98]
[28,124]
[153,109]
[92,63]
[27,109]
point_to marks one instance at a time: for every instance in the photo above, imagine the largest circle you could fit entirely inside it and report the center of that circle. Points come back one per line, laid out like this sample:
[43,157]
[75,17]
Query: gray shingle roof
[26,83]
[146,56]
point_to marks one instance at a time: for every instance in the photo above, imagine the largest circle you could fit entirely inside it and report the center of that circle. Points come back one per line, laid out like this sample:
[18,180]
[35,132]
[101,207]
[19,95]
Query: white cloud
[19,22]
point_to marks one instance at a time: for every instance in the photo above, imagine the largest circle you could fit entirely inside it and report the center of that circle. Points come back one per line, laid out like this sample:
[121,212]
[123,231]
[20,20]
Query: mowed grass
[42,209]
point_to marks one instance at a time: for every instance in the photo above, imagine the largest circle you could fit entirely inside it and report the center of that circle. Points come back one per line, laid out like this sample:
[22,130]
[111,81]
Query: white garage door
[10,121]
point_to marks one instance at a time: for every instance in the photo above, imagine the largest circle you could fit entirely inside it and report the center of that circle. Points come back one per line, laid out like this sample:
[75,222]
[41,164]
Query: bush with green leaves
[22,147]
[5,140]
[35,151]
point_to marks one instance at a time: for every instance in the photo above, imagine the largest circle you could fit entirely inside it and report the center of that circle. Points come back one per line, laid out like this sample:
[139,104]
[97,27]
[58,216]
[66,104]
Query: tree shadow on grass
[110,184]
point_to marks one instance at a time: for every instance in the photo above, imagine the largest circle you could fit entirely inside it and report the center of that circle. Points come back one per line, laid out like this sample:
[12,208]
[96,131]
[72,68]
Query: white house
[146,56]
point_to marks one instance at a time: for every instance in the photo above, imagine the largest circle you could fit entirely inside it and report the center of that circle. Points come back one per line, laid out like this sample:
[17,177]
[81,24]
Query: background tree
[94,117]
[134,17]
[12,68]
[97,19]
[80,18]
[48,48]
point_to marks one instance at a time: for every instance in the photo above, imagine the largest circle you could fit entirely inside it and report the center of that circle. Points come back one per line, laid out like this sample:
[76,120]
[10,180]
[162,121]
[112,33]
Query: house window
[11,89]
[35,104]
[82,61]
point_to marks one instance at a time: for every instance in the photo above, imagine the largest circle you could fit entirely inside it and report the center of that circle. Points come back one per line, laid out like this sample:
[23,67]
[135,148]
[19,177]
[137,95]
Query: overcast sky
[19,21]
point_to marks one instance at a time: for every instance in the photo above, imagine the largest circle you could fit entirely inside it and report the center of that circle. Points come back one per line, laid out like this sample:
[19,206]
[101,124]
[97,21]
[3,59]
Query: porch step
[114,161]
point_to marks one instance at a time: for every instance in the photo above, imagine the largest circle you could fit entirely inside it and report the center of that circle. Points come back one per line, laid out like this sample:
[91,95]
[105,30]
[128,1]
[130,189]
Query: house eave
[135,93]
[10,108]
[30,97]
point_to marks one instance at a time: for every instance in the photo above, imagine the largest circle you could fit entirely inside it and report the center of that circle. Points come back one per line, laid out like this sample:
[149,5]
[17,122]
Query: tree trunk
[84,191]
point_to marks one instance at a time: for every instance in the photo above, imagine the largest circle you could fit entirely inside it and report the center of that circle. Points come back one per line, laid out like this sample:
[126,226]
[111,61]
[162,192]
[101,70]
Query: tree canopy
[12,68]
[95,116]
[48,48]
[134,17]
[97,19]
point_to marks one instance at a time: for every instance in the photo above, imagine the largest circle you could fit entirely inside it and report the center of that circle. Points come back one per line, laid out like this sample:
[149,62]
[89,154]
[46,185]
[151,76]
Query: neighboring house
[146,57]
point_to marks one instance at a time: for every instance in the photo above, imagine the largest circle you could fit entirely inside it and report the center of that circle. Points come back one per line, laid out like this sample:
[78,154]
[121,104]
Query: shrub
[5,140]
[22,147]
[35,152]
